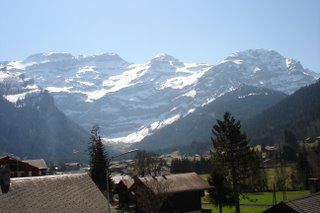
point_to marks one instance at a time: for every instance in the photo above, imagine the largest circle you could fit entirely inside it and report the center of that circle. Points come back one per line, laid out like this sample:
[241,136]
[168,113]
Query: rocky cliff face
[130,101]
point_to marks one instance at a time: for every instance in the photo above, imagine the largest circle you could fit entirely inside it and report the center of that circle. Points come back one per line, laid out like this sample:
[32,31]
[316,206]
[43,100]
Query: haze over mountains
[32,126]
[130,101]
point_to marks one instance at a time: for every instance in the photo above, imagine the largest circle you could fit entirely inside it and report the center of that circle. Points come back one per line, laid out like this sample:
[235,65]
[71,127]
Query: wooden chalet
[307,204]
[126,196]
[40,164]
[54,193]
[175,193]
[24,168]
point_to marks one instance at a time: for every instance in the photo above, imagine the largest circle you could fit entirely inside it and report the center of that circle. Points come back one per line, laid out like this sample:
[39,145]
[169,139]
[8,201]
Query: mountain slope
[130,101]
[243,103]
[32,126]
[299,112]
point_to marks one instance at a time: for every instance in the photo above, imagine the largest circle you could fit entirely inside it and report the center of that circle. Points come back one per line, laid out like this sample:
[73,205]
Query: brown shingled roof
[39,163]
[307,204]
[127,182]
[177,182]
[56,193]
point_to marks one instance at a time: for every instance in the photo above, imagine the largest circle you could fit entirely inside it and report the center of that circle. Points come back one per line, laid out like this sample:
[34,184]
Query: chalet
[174,193]
[40,164]
[126,196]
[53,193]
[307,204]
[24,168]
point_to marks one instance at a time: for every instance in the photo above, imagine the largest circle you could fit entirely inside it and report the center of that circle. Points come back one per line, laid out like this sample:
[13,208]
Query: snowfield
[130,101]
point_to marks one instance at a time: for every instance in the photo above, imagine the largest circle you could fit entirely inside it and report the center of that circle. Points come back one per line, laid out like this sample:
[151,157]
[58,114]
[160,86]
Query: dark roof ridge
[301,198]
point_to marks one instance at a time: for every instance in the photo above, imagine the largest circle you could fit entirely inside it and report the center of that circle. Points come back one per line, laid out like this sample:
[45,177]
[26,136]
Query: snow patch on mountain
[59,89]
[191,93]
[15,86]
[183,81]
[130,101]
[20,65]
[252,94]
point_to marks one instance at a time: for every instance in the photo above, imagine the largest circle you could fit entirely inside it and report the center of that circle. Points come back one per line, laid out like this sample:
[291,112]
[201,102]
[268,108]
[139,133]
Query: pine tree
[99,162]
[221,194]
[231,146]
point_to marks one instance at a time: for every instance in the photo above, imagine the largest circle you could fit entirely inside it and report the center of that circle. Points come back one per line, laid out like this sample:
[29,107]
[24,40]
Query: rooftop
[39,163]
[177,182]
[307,204]
[56,193]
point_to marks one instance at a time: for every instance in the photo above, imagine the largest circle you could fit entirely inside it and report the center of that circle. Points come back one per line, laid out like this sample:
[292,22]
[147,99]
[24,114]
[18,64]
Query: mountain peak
[255,53]
[103,57]
[49,56]
[163,58]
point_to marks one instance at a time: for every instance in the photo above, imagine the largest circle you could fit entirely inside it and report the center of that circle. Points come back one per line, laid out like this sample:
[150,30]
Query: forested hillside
[37,129]
[299,112]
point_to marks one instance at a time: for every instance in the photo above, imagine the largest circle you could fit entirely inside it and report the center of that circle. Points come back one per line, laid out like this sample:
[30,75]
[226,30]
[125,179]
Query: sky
[200,31]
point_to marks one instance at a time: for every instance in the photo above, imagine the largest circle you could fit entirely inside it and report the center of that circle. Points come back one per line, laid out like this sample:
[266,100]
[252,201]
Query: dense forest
[299,112]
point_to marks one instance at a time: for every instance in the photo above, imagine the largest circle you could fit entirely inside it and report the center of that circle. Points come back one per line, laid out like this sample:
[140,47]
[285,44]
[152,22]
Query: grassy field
[244,209]
[263,198]
[270,173]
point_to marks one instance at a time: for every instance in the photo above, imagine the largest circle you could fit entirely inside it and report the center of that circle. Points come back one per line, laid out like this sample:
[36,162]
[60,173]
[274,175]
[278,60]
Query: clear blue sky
[192,31]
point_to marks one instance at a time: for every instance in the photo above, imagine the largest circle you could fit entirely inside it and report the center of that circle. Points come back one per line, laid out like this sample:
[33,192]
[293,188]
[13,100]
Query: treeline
[184,165]
[304,156]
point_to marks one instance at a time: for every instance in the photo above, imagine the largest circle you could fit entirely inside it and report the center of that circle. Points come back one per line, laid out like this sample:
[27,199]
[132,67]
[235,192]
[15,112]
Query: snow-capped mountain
[31,124]
[130,101]
[16,87]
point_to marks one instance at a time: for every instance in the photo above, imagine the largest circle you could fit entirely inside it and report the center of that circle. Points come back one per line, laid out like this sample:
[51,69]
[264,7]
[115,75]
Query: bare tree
[148,163]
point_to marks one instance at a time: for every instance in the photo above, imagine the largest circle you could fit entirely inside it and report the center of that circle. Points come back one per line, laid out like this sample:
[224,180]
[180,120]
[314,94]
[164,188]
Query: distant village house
[24,168]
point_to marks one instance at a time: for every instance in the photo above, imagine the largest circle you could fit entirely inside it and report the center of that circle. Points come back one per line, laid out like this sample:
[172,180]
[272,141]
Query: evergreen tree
[231,146]
[99,162]
[221,194]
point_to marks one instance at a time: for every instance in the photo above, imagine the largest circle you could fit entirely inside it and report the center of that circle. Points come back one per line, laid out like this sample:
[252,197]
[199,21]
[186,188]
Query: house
[53,193]
[307,204]
[38,163]
[170,193]
[126,196]
[25,168]
[73,166]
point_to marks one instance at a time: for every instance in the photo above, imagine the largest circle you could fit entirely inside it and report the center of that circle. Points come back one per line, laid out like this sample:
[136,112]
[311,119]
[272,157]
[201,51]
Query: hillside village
[279,176]
[169,180]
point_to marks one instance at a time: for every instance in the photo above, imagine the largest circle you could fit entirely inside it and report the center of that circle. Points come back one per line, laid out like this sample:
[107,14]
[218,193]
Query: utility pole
[274,196]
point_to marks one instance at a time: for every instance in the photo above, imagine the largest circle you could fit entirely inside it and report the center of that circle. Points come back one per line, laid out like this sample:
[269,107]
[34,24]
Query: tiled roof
[39,163]
[176,183]
[307,204]
[127,182]
[56,193]
[310,203]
